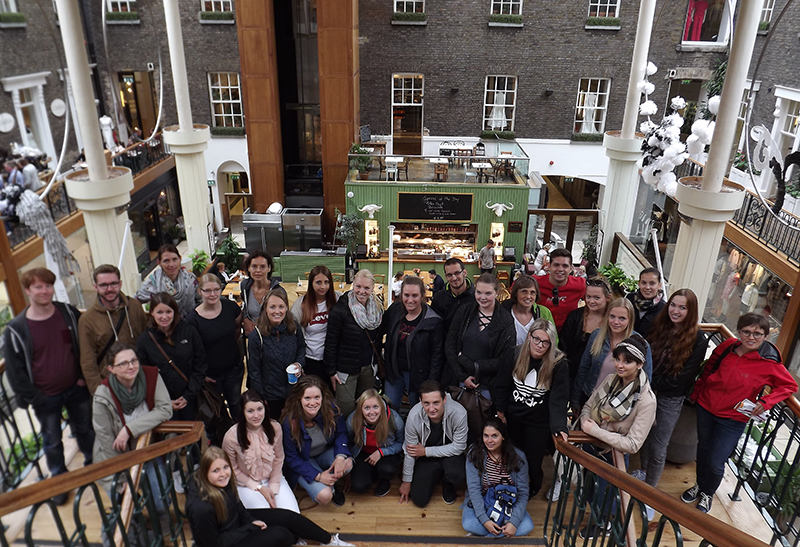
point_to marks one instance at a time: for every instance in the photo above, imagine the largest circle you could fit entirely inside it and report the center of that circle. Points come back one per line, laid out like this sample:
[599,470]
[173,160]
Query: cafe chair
[440,172]
[479,150]
[504,294]
[468,174]
[502,277]
[338,277]
[403,167]
[391,172]
[380,278]
[307,274]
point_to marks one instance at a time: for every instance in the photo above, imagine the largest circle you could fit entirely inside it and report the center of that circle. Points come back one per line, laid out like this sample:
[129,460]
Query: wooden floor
[375,519]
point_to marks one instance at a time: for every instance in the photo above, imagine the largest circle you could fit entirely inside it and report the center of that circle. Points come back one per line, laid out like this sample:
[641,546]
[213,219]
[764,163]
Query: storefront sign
[423,206]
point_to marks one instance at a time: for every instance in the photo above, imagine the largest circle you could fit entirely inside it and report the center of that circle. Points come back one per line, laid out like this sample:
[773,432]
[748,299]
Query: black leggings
[283,529]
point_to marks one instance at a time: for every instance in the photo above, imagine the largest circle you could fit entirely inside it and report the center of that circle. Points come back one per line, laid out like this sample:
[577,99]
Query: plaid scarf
[616,401]
[643,304]
[368,317]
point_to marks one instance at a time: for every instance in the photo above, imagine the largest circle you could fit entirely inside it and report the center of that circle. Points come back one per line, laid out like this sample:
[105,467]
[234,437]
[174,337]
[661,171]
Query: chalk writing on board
[446,207]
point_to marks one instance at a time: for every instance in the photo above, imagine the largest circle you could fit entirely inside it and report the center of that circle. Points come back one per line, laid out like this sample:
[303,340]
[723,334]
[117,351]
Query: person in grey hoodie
[436,438]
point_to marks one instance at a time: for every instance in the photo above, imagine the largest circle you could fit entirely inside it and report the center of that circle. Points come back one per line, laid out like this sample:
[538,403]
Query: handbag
[498,501]
[210,404]
[478,408]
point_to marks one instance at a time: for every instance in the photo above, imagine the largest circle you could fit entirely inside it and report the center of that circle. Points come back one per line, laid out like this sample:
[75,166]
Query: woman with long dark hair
[218,518]
[532,396]
[311,311]
[376,433]
[494,465]
[175,347]
[315,441]
[254,288]
[679,347]
[582,322]
[255,447]
[273,345]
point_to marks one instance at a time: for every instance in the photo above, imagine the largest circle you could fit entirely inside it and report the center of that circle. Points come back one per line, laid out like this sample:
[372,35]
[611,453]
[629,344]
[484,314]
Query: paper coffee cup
[293,373]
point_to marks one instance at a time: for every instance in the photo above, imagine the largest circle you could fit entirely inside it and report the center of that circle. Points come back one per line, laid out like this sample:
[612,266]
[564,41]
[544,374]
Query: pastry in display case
[435,241]
[371,238]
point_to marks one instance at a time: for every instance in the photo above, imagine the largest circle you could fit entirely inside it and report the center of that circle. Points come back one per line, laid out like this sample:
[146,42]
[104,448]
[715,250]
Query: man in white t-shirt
[487,259]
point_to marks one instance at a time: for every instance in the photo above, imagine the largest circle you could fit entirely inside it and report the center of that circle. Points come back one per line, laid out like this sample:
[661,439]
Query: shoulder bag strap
[113,337]
[371,343]
[171,363]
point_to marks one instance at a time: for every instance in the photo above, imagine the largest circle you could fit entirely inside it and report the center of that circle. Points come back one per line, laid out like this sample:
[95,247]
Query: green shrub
[763,25]
[227,131]
[506,135]
[587,137]
[409,16]
[12,18]
[217,15]
[505,18]
[122,16]
[602,22]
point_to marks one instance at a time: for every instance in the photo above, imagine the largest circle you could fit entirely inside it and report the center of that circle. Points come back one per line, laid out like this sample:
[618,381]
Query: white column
[622,147]
[99,193]
[187,141]
[744,40]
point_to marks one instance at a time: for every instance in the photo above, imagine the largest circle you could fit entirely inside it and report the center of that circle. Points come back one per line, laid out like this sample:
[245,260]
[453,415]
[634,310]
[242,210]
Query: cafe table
[481,167]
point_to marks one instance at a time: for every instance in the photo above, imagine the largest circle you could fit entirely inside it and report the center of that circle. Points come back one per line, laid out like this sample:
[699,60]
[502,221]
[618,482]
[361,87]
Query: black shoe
[338,497]
[593,530]
[61,499]
[383,488]
[448,493]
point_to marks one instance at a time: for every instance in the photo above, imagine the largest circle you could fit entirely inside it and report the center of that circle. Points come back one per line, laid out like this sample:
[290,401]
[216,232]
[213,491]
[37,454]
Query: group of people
[622,366]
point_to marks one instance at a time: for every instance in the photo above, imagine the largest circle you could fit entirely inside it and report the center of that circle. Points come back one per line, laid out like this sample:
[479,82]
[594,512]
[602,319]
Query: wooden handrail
[189,433]
[710,528]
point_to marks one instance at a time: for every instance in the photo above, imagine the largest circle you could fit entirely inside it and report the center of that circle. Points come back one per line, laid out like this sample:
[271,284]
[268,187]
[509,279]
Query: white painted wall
[220,150]
[570,159]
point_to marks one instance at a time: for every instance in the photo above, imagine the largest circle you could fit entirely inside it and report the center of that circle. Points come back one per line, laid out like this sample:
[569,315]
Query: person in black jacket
[437,283]
[414,347]
[679,348]
[481,337]
[648,300]
[532,397]
[175,347]
[351,343]
[218,519]
[42,362]
[458,291]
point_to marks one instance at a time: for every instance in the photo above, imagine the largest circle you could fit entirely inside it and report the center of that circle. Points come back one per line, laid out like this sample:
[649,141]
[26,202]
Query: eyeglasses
[455,274]
[536,341]
[754,334]
[132,363]
[211,291]
[112,285]
[555,296]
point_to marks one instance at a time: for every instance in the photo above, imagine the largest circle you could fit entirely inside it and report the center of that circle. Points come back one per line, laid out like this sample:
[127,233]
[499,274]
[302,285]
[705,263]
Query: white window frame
[604,8]
[409,6]
[216,5]
[766,11]
[506,7]
[601,88]
[494,84]
[416,93]
[227,113]
[723,34]
[116,6]
[34,84]
[8,6]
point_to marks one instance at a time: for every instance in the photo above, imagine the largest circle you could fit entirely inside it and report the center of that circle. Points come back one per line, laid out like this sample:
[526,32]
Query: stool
[391,171]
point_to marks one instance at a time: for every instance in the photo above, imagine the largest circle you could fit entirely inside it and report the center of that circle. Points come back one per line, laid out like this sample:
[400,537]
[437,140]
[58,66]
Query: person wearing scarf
[130,402]
[648,300]
[620,412]
[351,343]
[173,279]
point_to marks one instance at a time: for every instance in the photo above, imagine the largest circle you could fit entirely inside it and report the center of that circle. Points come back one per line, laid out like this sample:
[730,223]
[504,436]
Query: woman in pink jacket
[739,369]
[255,447]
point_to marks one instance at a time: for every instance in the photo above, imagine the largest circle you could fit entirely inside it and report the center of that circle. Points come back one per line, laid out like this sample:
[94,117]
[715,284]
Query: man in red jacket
[740,368]
[561,291]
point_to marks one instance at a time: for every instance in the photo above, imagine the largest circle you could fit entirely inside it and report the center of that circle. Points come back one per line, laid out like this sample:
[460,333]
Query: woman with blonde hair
[597,361]
[275,343]
[532,396]
[218,518]
[376,434]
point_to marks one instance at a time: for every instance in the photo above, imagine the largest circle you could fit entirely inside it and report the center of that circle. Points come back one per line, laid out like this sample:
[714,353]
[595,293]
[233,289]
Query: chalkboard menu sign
[446,207]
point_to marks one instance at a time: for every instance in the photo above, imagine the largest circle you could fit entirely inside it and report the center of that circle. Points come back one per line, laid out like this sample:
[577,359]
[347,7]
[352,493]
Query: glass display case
[371,231]
[435,241]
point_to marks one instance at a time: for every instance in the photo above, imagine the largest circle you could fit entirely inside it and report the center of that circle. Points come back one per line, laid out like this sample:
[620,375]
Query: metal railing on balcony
[141,156]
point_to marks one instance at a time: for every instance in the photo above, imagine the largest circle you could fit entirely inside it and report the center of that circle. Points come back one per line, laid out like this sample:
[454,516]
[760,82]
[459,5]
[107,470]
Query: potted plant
[620,282]
[230,253]
[363,163]
[589,254]
[348,229]
[173,233]
[200,261]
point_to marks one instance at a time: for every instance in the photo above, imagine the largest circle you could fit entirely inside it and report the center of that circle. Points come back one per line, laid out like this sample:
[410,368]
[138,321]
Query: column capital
[187,142]
[98,195]
[622,149]
[708,206]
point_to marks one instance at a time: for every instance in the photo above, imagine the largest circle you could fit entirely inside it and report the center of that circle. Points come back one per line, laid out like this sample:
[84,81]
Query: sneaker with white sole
[639,474]
[177,481]
[690,495]
[555,491]
[651,513]
[336,540]
[593,530]
[704,504]
[301,542]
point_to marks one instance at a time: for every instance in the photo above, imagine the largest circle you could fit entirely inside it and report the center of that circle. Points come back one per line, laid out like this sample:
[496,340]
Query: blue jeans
[716,439]
[472,525]
[155,470]
[79,411]
[394,390]
[320,463]
[597,497]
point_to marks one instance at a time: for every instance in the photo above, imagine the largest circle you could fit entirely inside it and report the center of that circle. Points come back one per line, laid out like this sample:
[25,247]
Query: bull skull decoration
[500,208]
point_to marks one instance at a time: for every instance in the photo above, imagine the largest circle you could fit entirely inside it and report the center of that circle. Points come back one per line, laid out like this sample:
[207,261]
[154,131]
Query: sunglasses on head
[596,282]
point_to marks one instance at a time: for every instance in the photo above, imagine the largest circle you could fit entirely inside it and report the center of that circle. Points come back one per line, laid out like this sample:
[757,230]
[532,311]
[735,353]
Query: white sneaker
[555,491]
[335,540]
[651,513]
[301,542]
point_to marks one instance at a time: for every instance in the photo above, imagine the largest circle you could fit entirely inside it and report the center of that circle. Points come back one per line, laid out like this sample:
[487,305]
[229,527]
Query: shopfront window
[741,285]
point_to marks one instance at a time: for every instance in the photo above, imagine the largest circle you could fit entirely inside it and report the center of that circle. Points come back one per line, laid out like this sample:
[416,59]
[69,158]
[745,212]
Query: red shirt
[568,296]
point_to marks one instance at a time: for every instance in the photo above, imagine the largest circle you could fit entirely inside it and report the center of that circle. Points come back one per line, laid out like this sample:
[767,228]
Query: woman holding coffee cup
[277,352]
